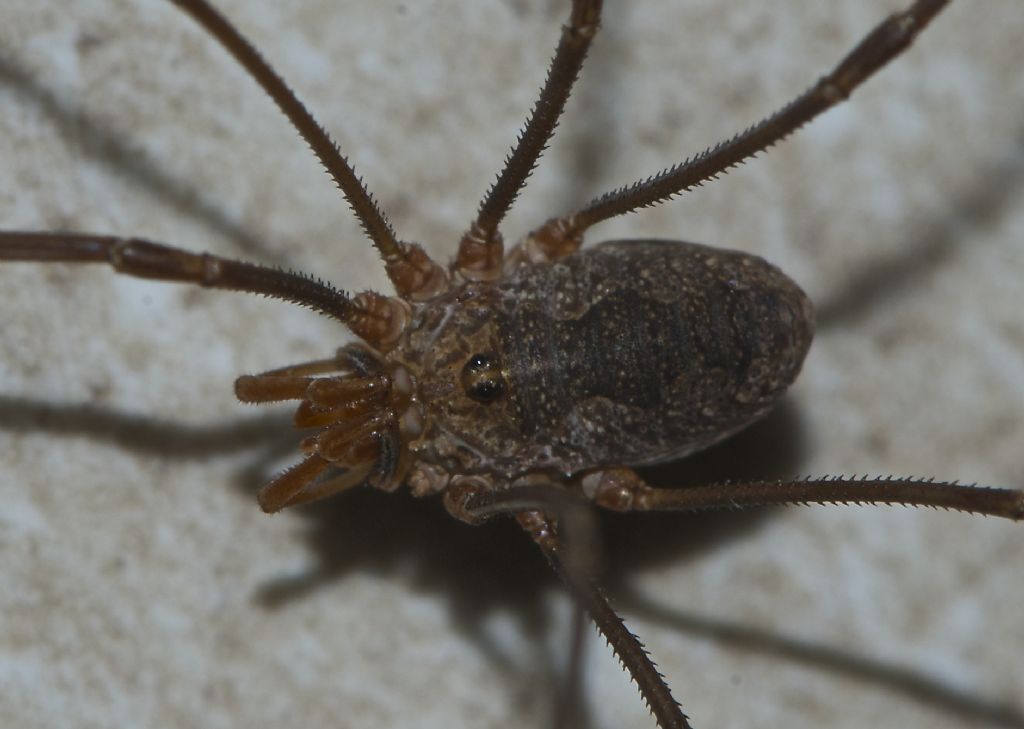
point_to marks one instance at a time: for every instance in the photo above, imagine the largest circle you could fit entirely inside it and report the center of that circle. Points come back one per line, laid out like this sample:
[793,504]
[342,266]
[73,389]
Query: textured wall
[140,585]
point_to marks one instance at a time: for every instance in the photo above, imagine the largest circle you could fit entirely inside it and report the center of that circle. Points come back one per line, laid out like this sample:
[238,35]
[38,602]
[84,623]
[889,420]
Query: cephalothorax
[530,381]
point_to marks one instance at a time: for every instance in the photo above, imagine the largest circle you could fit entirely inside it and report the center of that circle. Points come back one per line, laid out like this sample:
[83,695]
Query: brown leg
[534,508]
[480,251]
[890,38]
[627,647]
[376,319]
[414,275]
[621,489]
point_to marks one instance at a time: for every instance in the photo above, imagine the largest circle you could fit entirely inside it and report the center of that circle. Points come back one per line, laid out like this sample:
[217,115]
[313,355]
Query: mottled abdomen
[636,352]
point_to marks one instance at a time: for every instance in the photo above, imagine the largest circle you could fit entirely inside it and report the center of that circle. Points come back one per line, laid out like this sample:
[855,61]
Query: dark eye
[482,378]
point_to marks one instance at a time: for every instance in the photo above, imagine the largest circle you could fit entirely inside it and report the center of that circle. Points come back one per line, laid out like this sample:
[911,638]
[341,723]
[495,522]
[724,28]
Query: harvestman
[444,396]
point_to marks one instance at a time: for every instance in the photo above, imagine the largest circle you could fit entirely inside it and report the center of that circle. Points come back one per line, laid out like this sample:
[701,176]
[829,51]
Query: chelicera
[494,382]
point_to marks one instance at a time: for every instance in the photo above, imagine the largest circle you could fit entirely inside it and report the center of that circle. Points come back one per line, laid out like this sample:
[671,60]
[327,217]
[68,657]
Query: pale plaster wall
[140,586]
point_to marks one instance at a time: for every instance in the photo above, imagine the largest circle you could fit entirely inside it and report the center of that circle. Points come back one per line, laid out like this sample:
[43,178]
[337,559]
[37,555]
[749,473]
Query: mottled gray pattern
[641,351]
[629,353]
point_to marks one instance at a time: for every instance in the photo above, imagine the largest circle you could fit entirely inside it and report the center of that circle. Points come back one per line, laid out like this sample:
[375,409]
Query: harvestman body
[529,381]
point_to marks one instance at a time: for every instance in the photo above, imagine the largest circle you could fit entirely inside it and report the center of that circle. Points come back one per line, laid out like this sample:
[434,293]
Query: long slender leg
[352,439]
[480,251]
[627,646]
[561,236]
[372,317]
[536,508]
[410,269]
[621,489]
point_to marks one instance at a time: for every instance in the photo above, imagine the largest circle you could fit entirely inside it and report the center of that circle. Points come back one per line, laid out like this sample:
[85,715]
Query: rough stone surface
[139,584]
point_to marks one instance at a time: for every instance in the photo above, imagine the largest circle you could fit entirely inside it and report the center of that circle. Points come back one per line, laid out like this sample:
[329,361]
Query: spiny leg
[622,489]
[481,249]
[361,443]
[559,237]
[412,272]
[370,316]
[544,512]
